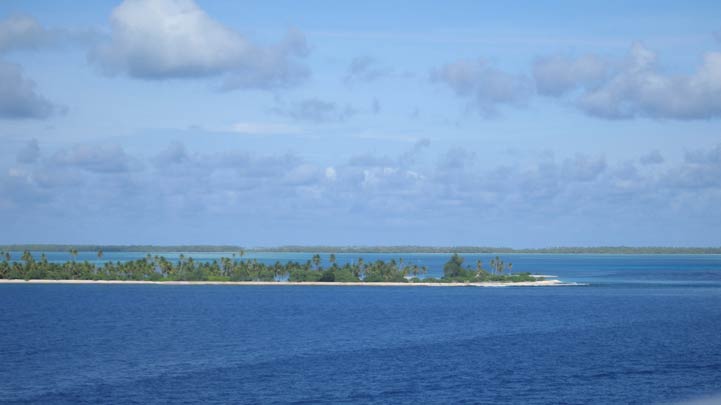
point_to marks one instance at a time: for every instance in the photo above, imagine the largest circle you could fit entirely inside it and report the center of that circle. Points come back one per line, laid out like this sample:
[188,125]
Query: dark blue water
[646,330]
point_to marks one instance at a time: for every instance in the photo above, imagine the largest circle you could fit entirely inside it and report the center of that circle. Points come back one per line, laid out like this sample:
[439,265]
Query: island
[234,270]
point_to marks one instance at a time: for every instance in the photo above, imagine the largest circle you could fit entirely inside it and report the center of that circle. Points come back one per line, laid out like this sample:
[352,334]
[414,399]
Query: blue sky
[521,124]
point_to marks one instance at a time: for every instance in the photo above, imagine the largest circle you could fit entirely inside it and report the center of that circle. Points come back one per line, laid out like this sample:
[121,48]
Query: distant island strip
[236,270]
[537,283]
[363,249]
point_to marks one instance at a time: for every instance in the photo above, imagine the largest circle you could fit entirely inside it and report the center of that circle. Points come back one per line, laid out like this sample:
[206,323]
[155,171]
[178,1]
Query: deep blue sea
[646,329]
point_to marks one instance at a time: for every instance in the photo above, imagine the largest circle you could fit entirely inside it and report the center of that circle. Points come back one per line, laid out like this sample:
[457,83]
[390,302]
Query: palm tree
[358,268]
[166,267]
[27,256]
[510,268]
[316,261]
[499,265]
[73,253]
[191,266]
[479,269]
[100,253]
[331,259]
[181,260]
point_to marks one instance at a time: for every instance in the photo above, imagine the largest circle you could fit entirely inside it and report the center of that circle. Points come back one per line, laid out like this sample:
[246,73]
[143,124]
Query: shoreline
[543,283]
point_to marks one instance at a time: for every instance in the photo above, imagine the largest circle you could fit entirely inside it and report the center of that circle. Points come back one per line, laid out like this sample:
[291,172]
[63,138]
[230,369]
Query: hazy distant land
[365,249]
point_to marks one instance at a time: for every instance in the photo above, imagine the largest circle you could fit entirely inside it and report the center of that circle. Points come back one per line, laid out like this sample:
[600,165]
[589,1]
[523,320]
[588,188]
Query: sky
[517,123]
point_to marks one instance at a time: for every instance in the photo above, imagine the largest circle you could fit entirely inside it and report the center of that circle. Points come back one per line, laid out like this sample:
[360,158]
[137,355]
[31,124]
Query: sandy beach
[543,283]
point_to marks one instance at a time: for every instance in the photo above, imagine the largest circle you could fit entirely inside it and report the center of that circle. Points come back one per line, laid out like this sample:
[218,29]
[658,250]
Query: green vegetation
[454,271]
[368,249]
[158,268]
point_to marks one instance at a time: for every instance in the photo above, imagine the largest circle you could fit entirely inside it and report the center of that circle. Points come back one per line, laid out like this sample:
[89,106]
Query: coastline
[542,283]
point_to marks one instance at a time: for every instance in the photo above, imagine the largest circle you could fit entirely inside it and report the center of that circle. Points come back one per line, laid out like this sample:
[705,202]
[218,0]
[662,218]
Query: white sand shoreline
[542,283]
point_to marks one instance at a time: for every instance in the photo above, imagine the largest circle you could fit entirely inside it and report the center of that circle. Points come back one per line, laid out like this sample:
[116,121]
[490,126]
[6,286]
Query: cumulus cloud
[173,154]
[364,69]
[271,67]
[411,156]
[557,75]
[652,158]
[583,168]
[18,97]
[30,152]
[264,128]
[634,88]
[22,32]
[330,173]
[370,160]
[701,169]
[164,39]
[177,161]
[704,156]
[482,85]
[457,158]
[369,188]
[316,110]
[18,189]
[98,159]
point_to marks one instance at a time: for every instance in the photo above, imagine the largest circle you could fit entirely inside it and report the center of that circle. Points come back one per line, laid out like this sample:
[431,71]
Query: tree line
[235,268]
[371,249]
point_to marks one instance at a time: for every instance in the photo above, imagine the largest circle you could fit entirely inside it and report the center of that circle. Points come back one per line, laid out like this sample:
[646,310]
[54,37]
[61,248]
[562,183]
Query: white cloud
[701,169]
[18,98]
[186,185]
[330,173]
[556,75]
[484,86]
[583,168]
[364,69]
[98,159]
[29,153]
[316,110]
[263,128]
[173,154]
[634,88]
[162,39]
[21,32]
[652,158]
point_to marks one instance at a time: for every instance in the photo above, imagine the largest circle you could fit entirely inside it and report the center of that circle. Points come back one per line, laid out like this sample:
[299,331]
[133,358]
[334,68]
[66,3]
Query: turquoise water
[644,330]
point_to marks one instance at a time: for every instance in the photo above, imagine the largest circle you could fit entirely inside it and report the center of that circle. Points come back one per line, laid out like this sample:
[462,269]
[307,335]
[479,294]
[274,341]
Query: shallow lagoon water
[646,330]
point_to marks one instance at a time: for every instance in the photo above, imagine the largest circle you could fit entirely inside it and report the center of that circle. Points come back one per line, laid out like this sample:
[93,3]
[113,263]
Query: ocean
[641,329]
